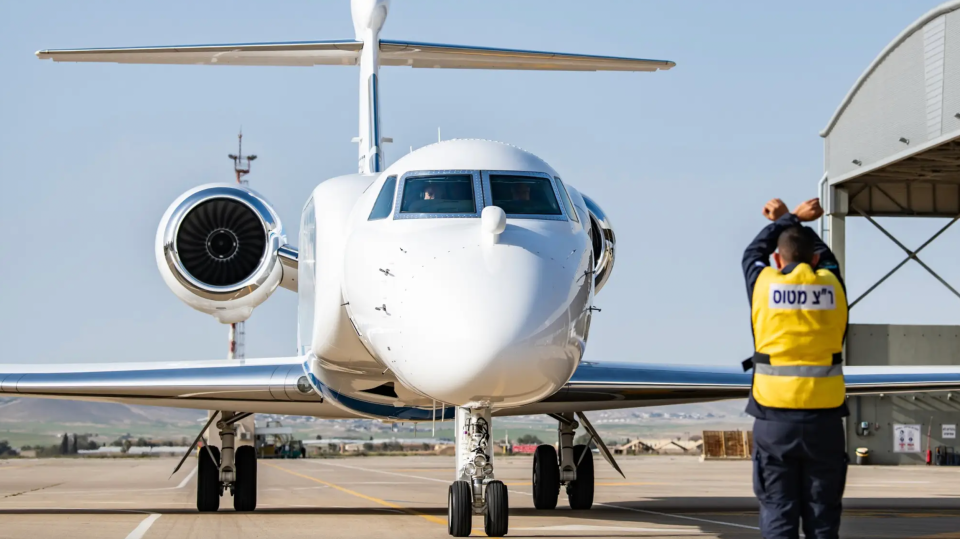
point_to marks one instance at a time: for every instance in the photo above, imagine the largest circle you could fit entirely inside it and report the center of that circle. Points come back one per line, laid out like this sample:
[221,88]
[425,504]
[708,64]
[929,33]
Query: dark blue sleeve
[757,255]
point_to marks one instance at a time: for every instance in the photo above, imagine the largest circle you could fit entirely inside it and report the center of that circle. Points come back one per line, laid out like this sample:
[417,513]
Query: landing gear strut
[476,492]
[227,468]
[573,467]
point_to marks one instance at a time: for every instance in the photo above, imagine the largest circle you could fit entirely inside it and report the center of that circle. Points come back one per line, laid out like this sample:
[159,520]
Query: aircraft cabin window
[439,194]
[567,204]
[524,195]
[384,204]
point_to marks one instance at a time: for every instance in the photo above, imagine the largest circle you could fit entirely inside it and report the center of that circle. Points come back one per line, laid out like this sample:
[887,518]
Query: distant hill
[731,408]
[21,410]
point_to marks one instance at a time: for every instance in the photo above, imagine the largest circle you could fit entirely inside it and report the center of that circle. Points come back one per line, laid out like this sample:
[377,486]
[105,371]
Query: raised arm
[757,255]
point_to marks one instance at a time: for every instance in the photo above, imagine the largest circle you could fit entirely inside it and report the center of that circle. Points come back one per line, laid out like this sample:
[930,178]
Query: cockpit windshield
[524,195]
[439,194]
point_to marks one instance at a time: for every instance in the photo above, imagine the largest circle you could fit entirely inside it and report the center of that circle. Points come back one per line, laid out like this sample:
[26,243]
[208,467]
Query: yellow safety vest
[799,322]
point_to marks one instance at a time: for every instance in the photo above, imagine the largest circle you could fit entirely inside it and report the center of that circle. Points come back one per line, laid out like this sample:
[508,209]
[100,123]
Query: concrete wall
[883,413]
[889,345]
[901,345]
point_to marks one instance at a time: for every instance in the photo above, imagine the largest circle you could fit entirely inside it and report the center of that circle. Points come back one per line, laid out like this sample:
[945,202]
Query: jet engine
[604,244]
[218,250]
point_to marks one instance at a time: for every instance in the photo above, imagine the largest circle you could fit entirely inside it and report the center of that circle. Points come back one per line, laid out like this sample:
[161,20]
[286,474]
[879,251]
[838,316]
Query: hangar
[892,149]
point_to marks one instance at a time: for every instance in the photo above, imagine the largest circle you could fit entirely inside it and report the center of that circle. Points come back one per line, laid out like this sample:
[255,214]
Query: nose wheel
[476,491]
[496,519]
[459,509]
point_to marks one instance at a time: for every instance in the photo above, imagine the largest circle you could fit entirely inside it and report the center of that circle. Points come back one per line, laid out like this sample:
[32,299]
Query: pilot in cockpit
[431,192]
[520,191]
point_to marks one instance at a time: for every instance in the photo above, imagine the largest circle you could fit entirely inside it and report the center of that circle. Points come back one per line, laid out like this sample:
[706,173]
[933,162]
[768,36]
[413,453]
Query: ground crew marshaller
[799,315]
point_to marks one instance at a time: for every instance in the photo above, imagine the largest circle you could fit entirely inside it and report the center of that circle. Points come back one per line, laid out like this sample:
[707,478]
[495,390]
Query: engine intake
[221,241]
[604,244]
[217,249]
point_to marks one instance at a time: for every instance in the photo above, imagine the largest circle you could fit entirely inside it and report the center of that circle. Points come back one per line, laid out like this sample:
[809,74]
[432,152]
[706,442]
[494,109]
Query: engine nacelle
[217,249]
[604,244]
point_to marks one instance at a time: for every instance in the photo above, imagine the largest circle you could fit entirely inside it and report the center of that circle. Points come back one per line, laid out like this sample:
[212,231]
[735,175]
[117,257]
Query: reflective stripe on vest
[799,321]
[806,371]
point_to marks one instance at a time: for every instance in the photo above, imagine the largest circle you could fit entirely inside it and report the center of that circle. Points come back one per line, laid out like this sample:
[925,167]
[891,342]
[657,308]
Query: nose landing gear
[476,492]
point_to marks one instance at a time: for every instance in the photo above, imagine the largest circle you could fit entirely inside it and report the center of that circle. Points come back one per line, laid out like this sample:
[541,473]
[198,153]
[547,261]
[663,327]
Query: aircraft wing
[605,386]
[259,386]
[347,52]
[274,385]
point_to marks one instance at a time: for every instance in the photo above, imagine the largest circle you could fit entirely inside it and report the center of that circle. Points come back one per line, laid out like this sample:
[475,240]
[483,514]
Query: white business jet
[456,283]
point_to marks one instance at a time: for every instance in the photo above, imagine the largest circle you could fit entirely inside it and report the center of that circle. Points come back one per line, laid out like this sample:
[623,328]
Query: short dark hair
[796,245]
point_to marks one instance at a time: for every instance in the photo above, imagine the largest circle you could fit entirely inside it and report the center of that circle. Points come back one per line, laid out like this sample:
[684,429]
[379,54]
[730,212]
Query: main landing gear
[476,492]
[230,467]
[573,467]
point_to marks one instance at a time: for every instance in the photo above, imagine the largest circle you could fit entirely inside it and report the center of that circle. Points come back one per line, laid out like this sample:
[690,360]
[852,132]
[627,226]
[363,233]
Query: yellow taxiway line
[384,503]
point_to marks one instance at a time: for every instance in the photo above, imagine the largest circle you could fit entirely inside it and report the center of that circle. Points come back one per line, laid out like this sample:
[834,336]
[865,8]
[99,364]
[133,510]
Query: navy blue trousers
[799,472]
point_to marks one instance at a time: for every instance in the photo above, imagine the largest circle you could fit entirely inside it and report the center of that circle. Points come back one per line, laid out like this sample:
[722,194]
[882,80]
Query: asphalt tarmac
[405,497]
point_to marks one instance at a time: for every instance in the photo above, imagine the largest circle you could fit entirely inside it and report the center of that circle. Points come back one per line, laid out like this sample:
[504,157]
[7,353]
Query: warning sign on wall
[906,438]
[948,431]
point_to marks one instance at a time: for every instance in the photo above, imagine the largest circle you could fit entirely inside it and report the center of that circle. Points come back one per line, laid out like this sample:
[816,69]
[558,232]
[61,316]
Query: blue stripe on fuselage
[385,411]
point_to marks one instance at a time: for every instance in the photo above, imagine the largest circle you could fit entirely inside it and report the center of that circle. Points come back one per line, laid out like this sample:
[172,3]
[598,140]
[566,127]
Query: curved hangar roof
[894,142]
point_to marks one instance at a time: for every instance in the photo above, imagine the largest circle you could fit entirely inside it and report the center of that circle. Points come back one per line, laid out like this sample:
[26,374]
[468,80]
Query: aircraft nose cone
[471,323]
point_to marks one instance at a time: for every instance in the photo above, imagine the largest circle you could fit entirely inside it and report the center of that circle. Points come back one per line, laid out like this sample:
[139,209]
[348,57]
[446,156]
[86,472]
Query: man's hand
[775,209]
[809,210]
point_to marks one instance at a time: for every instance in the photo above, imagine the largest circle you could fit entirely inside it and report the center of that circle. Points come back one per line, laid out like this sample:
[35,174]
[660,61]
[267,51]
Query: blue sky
[682,161]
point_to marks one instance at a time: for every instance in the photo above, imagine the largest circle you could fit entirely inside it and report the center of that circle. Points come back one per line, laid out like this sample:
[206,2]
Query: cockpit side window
[384,204]
[524,195]
[440,194]
[567,204]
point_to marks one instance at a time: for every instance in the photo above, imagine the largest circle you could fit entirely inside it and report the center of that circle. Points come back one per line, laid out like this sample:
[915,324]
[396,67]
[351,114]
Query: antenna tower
[241,167]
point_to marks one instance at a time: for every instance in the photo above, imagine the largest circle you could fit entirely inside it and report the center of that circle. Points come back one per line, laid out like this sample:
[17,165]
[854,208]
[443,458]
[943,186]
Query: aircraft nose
[498,323]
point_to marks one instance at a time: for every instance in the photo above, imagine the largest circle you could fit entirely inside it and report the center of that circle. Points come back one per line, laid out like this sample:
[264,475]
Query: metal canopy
[925,184]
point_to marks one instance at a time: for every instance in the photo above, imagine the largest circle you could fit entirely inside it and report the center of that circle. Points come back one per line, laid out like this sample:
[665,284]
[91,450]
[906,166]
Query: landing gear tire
[546,477]
[496,519]
[208,480]
[245,485]
[460,509]
[580,492]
